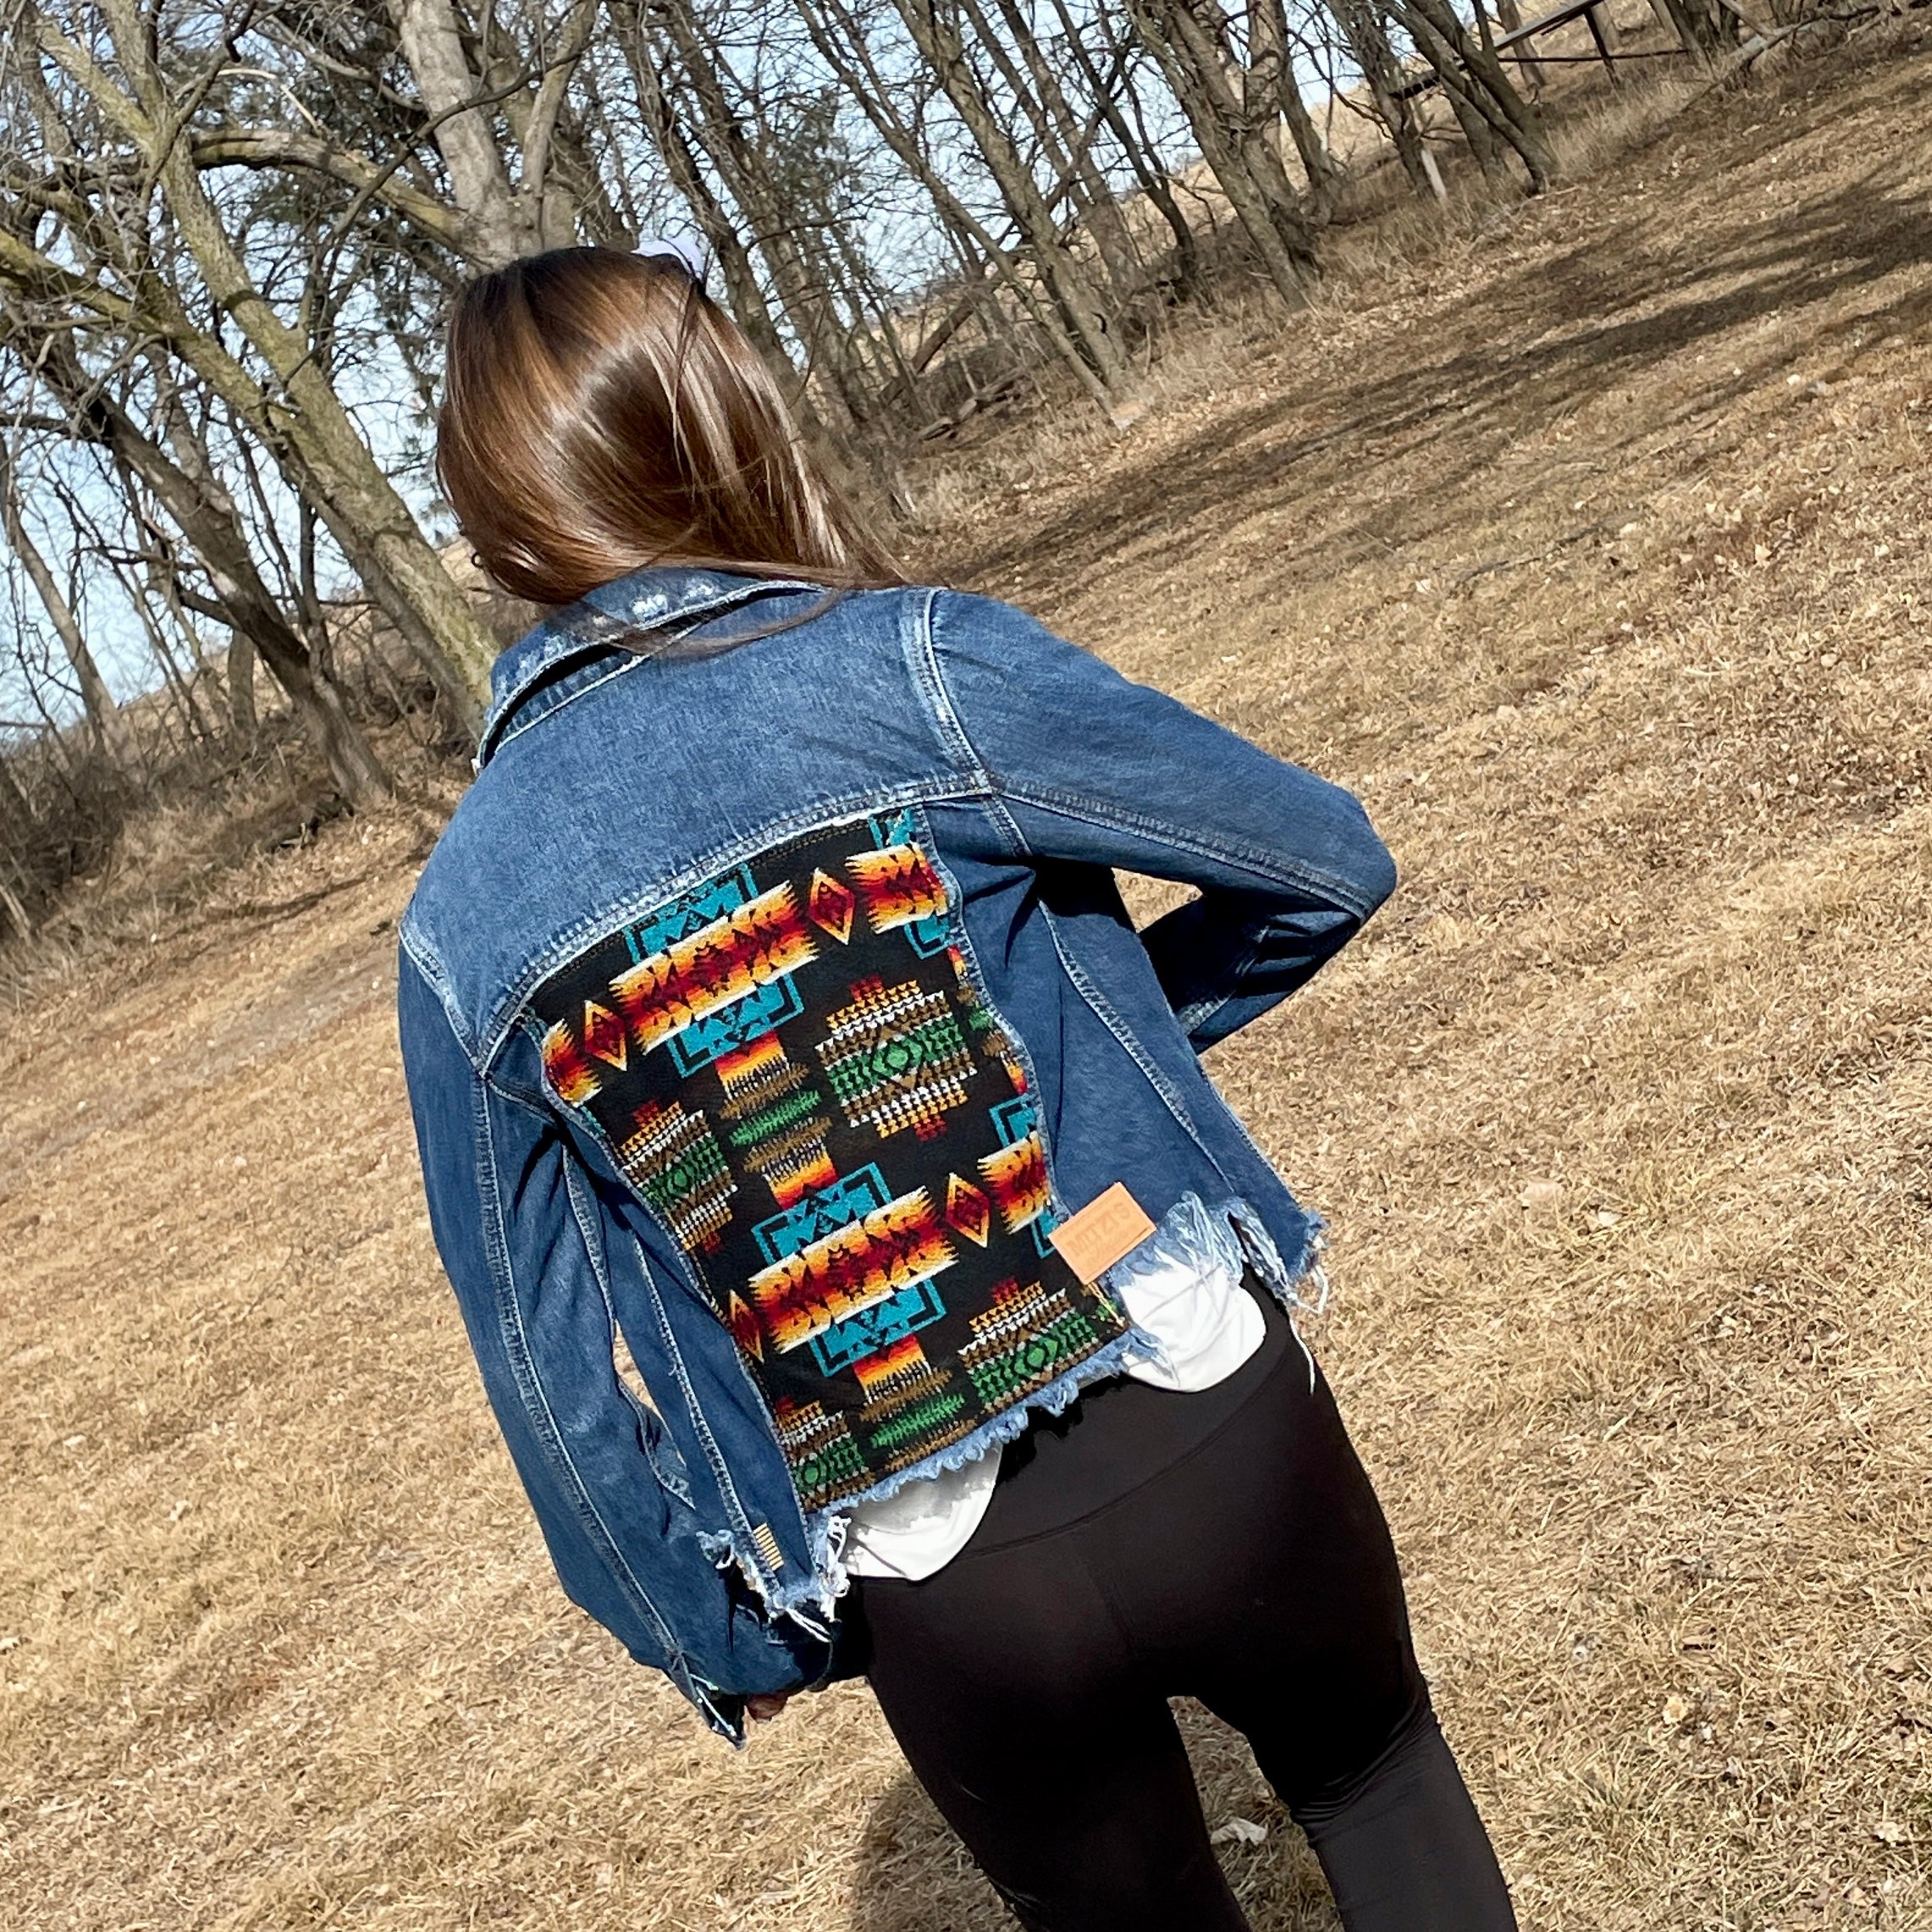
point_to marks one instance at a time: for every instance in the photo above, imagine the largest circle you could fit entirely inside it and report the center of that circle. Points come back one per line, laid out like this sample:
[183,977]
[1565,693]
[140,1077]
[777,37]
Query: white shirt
[1182,1290]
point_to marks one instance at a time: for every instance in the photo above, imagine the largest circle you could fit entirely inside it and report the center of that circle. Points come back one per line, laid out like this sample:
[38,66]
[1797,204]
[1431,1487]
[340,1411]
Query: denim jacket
[614,783]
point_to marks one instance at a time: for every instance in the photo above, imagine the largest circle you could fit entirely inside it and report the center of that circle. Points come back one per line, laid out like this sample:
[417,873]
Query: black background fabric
[983,1107]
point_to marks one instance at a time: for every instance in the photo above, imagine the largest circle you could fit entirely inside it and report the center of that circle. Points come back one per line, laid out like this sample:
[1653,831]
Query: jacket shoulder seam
[950,718]
[420,950]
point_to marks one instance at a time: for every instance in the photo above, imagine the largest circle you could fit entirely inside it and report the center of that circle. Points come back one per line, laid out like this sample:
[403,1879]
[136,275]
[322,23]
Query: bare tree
[103,714]
[1486,101]
[186,486]
[1234,108]
[1364,34]
[1110,90]
[1043,274]
[231,230]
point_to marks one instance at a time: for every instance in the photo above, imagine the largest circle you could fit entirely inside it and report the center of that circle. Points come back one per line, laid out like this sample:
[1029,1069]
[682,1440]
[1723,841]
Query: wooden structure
[1520,34]
[1592,12]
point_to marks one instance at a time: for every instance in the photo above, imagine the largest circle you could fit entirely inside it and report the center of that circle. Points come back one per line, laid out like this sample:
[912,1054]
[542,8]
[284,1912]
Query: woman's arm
[520,1236]
[1086,765]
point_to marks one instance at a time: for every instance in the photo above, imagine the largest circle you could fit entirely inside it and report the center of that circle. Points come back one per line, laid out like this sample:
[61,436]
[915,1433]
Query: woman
[864,1273]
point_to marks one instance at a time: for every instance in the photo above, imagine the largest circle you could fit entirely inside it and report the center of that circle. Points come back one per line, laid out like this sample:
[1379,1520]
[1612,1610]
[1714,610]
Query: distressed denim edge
[827,1527]
[1299,1285]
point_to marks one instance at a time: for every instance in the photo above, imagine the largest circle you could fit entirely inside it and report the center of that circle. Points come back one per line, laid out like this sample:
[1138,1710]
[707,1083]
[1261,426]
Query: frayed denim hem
[808,1603]
[1230,1234]
[828,1526]
[1300,1286]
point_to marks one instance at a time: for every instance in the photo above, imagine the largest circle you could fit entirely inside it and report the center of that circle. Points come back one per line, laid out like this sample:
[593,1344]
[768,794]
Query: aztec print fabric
[790,1065]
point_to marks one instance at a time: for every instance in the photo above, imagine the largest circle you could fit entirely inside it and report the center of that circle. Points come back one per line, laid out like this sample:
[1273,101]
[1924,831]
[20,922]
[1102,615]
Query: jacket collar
[658,598]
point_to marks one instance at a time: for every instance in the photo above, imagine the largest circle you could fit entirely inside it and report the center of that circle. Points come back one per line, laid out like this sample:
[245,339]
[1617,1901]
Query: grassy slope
[1594,554]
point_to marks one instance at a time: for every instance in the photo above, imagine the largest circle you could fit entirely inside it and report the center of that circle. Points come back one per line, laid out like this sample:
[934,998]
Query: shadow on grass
[1525,350]
[916,1876]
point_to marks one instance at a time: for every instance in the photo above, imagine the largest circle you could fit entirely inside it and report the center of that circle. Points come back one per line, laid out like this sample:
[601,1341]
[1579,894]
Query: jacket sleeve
[518,1234]
[1086,765]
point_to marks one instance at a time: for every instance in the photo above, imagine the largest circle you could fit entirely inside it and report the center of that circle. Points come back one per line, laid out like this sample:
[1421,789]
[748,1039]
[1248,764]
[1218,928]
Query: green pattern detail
[888,1062]
[1036,1360]
[687,1174]
[775,1118]
[825,1469]
[921,1415]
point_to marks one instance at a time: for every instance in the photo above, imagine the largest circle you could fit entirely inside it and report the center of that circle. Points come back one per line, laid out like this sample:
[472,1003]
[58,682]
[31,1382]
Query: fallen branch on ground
[1549,551]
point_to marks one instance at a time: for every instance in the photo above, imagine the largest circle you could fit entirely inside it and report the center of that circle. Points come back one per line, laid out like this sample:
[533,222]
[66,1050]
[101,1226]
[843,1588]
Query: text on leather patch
[1108,1226]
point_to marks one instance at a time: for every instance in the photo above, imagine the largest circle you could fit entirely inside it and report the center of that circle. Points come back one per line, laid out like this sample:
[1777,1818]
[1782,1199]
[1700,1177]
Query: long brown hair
[602,413]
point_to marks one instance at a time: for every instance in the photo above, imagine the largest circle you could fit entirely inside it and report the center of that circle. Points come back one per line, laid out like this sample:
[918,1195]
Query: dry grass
[1594,553]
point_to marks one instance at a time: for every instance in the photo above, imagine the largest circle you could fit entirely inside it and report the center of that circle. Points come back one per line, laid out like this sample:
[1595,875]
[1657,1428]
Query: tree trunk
[1071,152]
[242,714]
[203,511]
[1470,67]
[256,620]
[1367,41]
[720,128]
[433,44]
[831,29]
[1511,15]
[105,719]
[1461,95]
[1698,27]
[306,419]
[1081,310]
[178,683]
[1147,171]
[1270,87]
[1243,158]
[743,295]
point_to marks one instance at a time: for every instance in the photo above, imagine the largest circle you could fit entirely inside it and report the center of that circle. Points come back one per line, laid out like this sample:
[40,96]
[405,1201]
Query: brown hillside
[1593,551]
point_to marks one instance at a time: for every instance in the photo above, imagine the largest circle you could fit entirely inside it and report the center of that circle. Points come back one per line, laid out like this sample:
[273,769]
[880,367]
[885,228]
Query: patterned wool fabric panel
[791,1067]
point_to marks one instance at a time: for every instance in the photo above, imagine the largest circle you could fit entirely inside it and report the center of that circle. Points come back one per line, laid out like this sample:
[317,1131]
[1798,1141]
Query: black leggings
[1225,1546]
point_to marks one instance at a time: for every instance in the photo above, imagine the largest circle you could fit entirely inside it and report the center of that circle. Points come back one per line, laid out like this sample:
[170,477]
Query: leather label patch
[1112,1225]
